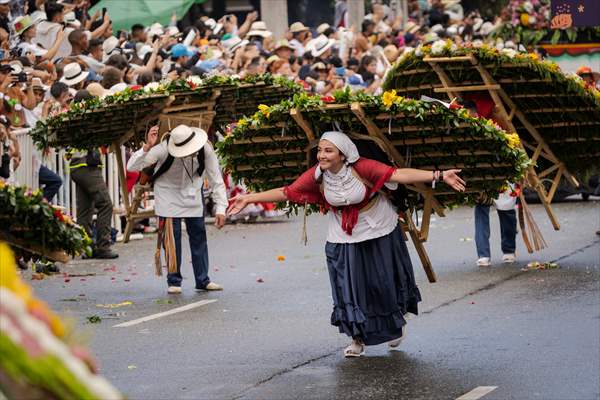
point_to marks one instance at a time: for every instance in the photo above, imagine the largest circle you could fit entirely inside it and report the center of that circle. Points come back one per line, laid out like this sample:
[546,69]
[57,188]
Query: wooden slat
[475,88]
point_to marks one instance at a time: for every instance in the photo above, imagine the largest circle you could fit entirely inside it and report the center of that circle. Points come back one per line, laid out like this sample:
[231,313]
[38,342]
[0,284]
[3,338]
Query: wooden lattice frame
[537,147]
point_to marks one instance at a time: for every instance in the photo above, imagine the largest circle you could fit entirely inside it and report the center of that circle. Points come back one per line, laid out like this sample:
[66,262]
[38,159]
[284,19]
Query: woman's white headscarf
[344,144]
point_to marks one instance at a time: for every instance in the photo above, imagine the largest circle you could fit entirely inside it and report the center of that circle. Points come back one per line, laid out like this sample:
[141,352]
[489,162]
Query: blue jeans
[50,181]
[198,247]
[508,230]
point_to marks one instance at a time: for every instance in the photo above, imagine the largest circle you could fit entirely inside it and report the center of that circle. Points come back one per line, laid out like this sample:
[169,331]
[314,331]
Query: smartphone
[103,12]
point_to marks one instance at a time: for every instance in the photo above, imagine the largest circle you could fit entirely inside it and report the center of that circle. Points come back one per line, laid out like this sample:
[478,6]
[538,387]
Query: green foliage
[268,149]
[26,215]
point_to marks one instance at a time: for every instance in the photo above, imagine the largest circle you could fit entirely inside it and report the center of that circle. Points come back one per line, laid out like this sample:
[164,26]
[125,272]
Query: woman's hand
[452,179]
[238,203]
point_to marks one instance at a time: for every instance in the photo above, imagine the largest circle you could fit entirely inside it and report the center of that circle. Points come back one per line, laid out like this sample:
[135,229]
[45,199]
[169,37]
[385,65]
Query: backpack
[153,176]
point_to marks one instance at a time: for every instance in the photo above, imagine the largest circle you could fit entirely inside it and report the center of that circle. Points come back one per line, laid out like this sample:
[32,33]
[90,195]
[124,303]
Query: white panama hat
[259,28]
[73,74]
[321,45]
[185,140]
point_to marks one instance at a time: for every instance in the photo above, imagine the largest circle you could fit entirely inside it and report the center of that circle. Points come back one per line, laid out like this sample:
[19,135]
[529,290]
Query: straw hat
[321,45]
[322,28]
[411,27]
[96,89]
[71,19]
[36,84]
[319,66]
[23,23]
[184,141]
[282,44]
[73,74]
[259,28]
[109,45]
[272,59]
[298,27]
[234,43]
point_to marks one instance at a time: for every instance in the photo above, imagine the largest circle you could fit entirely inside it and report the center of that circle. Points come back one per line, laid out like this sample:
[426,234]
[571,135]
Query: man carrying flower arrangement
[178,164]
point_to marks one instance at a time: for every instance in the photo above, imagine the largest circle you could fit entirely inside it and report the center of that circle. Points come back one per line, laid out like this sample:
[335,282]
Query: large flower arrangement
[39,358]
[268,149]
[25,216]
[529,23]
[104,119]
[562,107]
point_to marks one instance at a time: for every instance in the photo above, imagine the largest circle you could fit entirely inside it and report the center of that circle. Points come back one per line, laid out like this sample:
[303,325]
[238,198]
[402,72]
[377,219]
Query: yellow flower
[533,56]
[513,140]
[242,122]
[525,19]
[389,97]
[2,184]
[264,109]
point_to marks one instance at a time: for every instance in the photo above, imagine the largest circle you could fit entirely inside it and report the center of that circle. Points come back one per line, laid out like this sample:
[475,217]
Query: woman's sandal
[354,350]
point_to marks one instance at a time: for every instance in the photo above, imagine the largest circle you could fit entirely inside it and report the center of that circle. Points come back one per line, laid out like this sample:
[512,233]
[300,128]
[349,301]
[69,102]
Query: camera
[21,77]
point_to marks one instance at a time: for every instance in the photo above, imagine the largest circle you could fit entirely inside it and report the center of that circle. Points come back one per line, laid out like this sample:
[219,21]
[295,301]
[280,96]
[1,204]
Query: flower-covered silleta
[269,148]
[37,228]
[102,120]
[545,103]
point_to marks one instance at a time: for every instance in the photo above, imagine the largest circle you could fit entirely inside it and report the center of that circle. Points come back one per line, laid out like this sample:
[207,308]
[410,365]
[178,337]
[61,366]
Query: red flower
[18,26]
[58,214]
[455,106]
[136,87]
[328,99]
[192,84]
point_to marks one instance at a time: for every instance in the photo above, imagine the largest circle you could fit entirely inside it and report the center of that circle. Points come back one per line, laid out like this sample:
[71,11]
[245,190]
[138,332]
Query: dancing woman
[372,279]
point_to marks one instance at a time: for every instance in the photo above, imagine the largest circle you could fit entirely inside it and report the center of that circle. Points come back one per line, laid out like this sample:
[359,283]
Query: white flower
[151,87]
[511,53]
[527,6]
[438,47]
[419,51]
[532,20]
[195,79]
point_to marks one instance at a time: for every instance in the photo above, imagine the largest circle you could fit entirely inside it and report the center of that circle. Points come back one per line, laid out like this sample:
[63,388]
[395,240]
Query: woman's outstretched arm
[238,203]
[411,175]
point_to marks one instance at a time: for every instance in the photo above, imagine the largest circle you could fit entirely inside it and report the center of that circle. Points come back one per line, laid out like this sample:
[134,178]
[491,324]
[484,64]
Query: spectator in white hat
[74,76]
[300,36]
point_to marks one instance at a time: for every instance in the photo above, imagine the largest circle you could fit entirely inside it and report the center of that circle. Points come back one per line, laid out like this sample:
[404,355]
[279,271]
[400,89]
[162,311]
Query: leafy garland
[262,177]
[413,59]
[146,95]
[27,216]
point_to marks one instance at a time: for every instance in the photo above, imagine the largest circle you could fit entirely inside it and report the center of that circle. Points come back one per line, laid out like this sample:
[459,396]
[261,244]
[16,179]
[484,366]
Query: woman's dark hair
[145,78]
[82,95]
[52,9]
[352,62]
[335,61]
[58,88]
[367,24]
[367,76]
[117,61]
[110,77]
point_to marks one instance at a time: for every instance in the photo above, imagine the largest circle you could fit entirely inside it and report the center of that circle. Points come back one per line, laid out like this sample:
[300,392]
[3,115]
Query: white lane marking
[187,307]
[477,393]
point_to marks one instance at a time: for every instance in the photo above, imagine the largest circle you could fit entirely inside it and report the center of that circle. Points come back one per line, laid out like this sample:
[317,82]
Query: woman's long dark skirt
[373,286]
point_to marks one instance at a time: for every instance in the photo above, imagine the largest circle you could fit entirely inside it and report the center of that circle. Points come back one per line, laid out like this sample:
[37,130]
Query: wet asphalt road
[532,334]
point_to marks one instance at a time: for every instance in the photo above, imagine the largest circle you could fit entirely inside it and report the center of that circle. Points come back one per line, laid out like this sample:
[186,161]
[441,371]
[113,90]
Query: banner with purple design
[573,13]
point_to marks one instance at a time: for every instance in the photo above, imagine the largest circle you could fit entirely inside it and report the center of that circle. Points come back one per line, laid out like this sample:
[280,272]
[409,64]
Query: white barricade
[28,174]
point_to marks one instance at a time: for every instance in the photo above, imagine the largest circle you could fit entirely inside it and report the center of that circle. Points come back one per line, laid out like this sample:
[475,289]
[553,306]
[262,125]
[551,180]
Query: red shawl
[306,189]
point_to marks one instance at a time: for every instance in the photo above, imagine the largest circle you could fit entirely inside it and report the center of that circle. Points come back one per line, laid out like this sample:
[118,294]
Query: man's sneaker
[174,290]
[105,254]
[508,258]
[211,286]
[484,262]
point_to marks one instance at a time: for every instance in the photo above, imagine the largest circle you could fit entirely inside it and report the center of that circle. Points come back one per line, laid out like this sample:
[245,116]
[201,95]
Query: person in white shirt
[372,279]
[178,164]
[25,27]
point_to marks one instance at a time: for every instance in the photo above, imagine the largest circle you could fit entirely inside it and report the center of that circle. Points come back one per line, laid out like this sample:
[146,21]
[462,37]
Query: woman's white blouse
[343,188]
